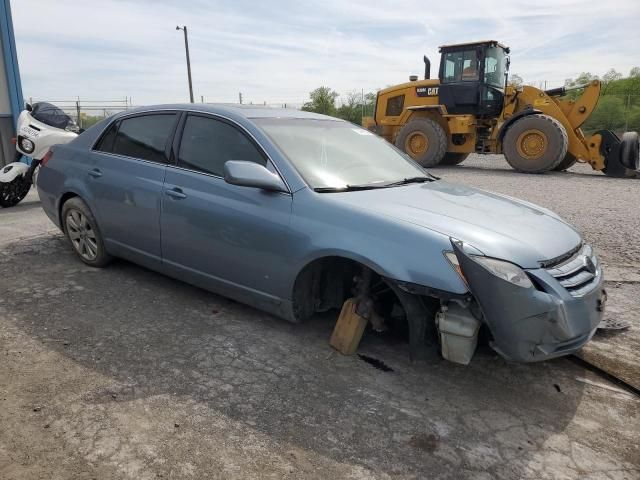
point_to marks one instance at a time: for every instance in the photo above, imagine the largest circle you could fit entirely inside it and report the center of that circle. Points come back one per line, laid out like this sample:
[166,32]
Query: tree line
[353,107]
[618,108]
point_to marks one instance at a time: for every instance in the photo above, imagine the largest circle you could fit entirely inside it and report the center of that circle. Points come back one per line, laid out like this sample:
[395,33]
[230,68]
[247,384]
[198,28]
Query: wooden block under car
[348,330]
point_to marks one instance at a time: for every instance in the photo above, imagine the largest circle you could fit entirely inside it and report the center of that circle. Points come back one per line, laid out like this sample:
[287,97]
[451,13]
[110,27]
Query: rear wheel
[83,233]
[535,144]
[13,192]
[424,140]
[454,158]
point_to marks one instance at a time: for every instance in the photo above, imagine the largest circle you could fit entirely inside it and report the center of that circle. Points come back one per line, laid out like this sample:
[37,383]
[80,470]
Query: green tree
[610,78]
[633,120]
[351,108]
[582,79]
[322,100]
[635,72]
[516,80]
[609,114]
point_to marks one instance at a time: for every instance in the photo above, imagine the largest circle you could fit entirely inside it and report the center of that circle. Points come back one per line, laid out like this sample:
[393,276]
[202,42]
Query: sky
[277,51]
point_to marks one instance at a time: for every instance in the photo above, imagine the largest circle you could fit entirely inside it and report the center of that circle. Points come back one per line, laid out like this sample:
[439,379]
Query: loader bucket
[620,156]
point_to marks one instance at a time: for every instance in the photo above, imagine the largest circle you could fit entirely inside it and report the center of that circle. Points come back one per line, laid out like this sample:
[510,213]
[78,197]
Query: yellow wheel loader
[471,108]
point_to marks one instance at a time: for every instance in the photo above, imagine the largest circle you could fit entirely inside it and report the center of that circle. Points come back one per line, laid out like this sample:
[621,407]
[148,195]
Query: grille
[577,273]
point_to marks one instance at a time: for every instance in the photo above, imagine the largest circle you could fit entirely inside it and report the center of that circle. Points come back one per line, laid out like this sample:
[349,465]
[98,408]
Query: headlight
[504,270]
[26,145]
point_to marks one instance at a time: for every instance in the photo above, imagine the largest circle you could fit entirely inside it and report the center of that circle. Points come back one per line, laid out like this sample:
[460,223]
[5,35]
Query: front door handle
[176,193]
[95,173]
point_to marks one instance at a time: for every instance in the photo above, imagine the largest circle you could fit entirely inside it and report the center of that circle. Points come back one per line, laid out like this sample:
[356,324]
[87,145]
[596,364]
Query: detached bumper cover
[533,324]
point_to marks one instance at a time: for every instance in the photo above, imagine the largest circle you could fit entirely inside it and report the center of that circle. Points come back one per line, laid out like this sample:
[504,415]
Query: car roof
[235,110]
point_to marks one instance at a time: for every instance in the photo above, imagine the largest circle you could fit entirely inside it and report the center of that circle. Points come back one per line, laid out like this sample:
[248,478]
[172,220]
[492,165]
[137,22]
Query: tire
[567,162]
[81,229]
[535,144]
[629,150]
[454,158]
[13,192]
[424,140]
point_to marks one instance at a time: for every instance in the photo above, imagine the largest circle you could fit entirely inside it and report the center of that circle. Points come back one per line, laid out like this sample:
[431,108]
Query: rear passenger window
[207,144]
[144,137]
[106,142]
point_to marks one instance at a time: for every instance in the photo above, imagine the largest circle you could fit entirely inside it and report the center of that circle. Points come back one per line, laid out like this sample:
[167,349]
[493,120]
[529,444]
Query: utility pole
[240,97]
[78,112]
[186,47]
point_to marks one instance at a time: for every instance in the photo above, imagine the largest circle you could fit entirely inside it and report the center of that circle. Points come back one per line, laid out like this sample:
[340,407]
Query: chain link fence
[88,112]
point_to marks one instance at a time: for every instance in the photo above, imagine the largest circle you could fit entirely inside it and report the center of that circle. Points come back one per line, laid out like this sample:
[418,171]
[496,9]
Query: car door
[125,178]
[224,237]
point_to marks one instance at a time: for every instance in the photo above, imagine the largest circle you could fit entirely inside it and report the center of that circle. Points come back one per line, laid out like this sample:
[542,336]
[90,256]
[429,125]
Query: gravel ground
[121,373]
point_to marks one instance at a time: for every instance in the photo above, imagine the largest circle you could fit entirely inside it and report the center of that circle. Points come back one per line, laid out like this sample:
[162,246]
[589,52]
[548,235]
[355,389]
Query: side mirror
[28,107]
[251,174]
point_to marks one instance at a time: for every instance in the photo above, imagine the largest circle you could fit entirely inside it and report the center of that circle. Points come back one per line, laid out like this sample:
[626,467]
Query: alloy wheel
[81,234]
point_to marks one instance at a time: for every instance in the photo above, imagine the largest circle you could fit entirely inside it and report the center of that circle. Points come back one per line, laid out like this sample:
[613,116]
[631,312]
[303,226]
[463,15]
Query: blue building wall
[11,100]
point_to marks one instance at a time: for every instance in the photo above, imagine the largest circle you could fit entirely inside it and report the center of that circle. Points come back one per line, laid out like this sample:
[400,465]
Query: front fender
[10,172]
[392,248]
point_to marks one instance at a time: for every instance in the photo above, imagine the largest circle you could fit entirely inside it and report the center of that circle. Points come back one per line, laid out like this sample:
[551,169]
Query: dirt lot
[122,373]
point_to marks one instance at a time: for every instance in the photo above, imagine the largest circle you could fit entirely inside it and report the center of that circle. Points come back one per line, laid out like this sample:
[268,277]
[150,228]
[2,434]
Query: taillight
[47,156]
[14,140]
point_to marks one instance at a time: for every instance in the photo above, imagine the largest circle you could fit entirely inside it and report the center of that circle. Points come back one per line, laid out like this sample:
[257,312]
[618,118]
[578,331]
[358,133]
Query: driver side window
[207,144]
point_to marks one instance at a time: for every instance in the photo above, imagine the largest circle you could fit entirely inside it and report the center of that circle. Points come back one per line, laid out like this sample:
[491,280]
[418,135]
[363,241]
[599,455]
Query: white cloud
[278,51]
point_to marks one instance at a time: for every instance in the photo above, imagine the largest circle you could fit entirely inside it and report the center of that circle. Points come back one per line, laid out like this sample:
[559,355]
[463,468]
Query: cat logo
[427,91]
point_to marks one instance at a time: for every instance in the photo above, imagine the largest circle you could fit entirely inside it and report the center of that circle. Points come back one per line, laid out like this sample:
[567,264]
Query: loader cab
[473,78]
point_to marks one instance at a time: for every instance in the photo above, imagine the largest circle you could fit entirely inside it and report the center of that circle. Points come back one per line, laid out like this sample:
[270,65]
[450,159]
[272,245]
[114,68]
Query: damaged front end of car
[532,314]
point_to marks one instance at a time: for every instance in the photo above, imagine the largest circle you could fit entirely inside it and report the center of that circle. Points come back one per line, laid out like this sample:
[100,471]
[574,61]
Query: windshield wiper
[406,181]
[351,188]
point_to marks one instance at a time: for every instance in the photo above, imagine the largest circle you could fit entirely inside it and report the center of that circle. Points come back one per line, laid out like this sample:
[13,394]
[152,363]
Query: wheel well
[515,117]
[63,200]
[323,284]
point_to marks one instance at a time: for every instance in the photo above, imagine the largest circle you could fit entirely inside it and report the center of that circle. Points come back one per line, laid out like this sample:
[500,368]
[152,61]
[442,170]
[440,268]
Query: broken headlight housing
[500,268]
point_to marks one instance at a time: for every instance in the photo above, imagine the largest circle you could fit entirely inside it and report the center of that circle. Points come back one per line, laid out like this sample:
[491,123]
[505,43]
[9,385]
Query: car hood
[497,225]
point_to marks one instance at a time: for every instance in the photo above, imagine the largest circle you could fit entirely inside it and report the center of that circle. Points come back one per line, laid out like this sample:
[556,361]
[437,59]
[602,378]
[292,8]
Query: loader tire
[567,162]
[424,140]
[453,158]
[535,144]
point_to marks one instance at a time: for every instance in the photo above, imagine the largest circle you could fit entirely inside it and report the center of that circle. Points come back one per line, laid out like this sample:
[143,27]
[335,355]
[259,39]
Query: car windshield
[339,155]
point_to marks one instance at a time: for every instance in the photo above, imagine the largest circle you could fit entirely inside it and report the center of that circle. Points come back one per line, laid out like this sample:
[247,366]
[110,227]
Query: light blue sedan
[294,212]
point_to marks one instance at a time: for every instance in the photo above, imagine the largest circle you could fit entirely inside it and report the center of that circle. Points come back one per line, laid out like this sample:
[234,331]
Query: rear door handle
[95,173]
[176,193]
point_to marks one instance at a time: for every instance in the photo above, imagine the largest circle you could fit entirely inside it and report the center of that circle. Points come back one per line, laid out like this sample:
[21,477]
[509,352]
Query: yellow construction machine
[472,108]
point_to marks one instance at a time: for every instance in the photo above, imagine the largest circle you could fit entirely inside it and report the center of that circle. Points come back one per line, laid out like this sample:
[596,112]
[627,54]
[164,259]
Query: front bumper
[533,324]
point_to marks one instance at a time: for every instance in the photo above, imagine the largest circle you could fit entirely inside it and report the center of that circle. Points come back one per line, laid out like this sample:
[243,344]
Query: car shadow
[153,335]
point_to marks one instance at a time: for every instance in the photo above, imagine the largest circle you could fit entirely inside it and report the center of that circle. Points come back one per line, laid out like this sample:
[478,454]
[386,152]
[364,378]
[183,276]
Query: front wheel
[568,162]
[13,192]
[83,233]
[535,144]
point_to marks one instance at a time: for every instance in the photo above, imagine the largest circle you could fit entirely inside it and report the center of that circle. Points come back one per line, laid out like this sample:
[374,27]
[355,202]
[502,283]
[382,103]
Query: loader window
[395,106]
[495,64]
[460,66]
